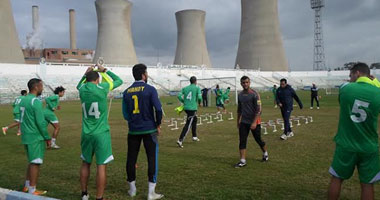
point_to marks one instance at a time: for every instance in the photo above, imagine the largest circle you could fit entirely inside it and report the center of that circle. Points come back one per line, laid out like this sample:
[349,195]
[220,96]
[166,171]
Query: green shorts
[16,117]
[98,144]
[35,152]
[344,164]
[50,116]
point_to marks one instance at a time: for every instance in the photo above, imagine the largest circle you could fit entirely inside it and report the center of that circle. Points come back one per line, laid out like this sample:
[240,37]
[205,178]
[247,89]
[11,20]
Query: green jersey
[274,91]
[190,96]
[226,95]
[52,102]
[359,109]
[94,104]
[219,96]
[16,104]
[33,126]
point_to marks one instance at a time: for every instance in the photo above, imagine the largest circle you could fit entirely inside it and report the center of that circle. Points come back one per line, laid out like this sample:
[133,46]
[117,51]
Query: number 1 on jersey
[136,100]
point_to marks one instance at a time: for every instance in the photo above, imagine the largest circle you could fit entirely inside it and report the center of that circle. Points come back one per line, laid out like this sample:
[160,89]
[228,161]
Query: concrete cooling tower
[114,43]
[191,39]
[260,45]
[10,51]
[73,36]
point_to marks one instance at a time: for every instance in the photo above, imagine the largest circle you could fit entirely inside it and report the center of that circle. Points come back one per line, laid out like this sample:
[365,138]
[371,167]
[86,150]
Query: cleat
[240,164]
[179,143]
[284,136]
[132,193]
[39,192]
[5,130]
[25,189]
[55,146]
[290,134]
[275,106]
[196,139]
[86,197]
[317,108]
[265,158]
[18,134]
[153,196]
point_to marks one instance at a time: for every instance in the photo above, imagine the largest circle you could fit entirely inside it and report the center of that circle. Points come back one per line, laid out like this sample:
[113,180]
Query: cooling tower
[10,51]
[191,39]
[260,45]
[73,36]
[114,43]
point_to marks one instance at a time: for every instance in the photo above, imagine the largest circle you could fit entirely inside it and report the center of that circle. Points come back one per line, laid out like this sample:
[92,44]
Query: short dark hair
[138,70]
[32,83]
[23,92]
[193,79]
[283,80]
[217,85]
[59,89]
[362,68]
[92,76]
[243,78]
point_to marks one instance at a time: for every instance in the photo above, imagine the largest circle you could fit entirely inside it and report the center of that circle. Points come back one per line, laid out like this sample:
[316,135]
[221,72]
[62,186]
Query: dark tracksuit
[143,111]
[249,106]
[285,97]
[314,95]
[204,96]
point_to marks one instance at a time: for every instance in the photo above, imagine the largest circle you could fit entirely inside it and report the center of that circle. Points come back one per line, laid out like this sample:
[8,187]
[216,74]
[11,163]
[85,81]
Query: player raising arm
[96,137]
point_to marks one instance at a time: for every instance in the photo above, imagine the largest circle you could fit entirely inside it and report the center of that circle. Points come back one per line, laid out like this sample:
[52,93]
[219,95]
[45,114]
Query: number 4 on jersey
[189,96]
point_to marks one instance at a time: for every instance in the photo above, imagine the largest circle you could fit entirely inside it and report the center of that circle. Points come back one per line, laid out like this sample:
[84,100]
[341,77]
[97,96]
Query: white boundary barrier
[6,194]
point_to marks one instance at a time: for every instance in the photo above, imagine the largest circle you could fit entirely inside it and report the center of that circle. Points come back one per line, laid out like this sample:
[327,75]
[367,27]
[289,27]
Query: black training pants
[191,122]
[286,116]
[244,130]
[316,99]
[151,148]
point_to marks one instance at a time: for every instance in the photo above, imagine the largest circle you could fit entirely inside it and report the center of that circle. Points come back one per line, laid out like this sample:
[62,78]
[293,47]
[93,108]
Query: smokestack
[73,36]
[10,51]
[114,41]
[35,18]
[191,39]
[260,45]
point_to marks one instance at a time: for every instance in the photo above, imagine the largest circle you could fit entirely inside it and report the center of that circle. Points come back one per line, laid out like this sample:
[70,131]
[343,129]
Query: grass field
[297,168]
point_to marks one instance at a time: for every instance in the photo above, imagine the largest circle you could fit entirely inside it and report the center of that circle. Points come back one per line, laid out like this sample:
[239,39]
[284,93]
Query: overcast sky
[351,28]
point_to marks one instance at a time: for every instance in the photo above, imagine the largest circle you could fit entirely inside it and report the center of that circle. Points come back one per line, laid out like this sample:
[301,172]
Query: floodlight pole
[319,63]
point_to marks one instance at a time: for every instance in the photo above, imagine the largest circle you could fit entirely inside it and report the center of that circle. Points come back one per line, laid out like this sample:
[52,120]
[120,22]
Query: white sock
[132,187]
[31,189]
[266,153]
[27,182]
[53,140]
[242,160]
[152,187]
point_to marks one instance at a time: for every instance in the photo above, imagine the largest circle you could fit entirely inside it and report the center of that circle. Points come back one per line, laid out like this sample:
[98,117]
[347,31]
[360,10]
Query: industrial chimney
[10,51]
[73,36]
[260,45]
[114,43]
[35,18]
[191,39]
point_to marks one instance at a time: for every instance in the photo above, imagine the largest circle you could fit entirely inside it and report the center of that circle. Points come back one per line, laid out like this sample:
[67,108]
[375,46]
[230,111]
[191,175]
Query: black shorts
[244,130]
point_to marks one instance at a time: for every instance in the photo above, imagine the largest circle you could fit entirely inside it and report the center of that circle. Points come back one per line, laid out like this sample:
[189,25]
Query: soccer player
[190,96]
[96,137]
[204,96]
[357,137]
[143,111]
[219,99]
[274,91]
[249,120]
[314,95]
[52,104]
[34,134]
[284,98]
[16,114]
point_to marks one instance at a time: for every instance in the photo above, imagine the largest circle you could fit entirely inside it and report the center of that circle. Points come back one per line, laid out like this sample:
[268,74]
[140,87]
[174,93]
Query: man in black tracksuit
[314,95]
[284,99]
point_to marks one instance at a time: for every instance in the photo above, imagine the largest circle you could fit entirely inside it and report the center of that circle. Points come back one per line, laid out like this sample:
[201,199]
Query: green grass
[297,169]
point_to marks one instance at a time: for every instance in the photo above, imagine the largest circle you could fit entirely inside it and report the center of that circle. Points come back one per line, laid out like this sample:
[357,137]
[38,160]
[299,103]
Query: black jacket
[285,97]
[314,91]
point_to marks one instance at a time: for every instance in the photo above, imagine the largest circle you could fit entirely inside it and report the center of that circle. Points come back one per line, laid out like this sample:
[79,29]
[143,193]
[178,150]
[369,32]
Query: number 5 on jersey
[356,110]
[93,111]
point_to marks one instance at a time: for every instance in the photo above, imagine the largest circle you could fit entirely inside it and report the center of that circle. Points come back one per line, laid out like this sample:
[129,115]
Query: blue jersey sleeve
[157,106]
